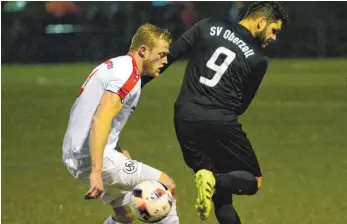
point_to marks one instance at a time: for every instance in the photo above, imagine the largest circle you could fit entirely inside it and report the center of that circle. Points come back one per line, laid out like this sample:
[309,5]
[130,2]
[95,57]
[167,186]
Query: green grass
[297,124]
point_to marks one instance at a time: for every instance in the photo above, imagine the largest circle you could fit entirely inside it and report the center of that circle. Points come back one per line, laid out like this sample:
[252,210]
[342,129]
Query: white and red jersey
[119,75]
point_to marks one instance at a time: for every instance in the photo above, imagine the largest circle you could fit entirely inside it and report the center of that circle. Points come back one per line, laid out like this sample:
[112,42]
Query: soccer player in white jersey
[104,103]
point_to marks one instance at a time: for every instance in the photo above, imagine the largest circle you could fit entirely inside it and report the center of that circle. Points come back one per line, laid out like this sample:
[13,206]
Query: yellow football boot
[205,183]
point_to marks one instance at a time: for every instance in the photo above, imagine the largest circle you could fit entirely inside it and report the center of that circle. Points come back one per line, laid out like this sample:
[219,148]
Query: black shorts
[219,147]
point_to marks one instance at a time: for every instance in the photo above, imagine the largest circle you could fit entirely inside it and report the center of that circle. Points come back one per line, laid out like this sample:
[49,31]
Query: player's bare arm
[109,107]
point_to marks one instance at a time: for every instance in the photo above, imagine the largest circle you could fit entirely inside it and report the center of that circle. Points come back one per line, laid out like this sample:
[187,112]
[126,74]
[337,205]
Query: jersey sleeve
[123,80]
[181,47]
[261,67]
[187,40]
[191,35]
[258,73]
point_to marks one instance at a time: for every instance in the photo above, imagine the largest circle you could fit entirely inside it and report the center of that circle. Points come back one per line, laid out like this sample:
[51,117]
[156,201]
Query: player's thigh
[242,147]
[119,170]
[193,138]
[234,150]
[120,175]
[238,149]
[187,138]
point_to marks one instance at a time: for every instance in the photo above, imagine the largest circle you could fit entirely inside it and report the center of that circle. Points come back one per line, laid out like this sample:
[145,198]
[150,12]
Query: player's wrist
[96,167]
[97,171]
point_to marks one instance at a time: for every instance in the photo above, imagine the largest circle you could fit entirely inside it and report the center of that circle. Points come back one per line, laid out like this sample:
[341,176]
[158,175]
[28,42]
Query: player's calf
[226,214]
[224,209]
[239,182]
[172,217]
[121,215]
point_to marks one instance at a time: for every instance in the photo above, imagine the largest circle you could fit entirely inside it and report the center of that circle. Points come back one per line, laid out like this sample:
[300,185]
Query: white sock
[172,217]
[110,220]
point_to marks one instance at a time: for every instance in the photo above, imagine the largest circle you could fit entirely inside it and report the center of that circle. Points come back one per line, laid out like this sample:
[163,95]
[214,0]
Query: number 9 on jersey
[219,69]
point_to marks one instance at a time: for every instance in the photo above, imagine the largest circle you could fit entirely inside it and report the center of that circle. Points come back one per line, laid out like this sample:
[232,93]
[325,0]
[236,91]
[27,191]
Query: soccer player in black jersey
[226,66]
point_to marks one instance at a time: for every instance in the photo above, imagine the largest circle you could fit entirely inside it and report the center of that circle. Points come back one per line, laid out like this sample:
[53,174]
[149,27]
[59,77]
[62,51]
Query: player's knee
[239,182]
[260,182]
[169,183]
[123,214]
[172,187]
[256,186]
[252,189]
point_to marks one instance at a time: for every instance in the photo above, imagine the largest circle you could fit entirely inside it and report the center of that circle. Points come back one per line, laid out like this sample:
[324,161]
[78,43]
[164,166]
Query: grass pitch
[297,124]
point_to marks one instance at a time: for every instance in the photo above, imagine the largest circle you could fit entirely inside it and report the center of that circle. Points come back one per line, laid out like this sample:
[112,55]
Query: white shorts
[120,175]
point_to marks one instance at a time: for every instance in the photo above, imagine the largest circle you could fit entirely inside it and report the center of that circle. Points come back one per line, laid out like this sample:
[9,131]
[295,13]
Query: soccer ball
[150,201]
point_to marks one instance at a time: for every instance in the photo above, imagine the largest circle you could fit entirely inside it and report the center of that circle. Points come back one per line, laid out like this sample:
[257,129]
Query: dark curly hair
[272,10]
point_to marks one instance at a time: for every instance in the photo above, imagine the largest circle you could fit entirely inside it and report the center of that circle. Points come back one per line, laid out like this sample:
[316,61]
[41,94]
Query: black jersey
[223,74]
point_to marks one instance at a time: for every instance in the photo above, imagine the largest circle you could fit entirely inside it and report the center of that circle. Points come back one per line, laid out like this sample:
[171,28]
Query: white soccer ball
[150,201]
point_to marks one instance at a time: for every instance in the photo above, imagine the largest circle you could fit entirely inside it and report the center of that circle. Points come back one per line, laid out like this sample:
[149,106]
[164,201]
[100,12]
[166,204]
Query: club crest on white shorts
[130,166]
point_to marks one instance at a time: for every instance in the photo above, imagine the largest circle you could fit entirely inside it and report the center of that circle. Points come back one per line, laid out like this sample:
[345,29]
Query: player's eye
[163,54]
[275,31]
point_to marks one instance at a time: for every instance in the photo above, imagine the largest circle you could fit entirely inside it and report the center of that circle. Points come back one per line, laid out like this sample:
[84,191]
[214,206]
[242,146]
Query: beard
[263,42]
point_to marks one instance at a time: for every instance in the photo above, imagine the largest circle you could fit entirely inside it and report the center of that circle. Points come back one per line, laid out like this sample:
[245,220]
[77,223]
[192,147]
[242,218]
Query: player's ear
[143,51]
[261,23]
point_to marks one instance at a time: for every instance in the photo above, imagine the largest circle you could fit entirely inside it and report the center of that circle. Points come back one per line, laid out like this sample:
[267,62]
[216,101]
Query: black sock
[226,214]
[238,182]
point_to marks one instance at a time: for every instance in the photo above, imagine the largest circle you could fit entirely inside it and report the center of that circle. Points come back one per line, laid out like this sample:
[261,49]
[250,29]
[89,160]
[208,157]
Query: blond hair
[148,34]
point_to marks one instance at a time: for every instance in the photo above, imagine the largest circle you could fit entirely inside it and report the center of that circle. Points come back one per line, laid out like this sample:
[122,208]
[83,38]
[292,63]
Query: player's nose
[164,61]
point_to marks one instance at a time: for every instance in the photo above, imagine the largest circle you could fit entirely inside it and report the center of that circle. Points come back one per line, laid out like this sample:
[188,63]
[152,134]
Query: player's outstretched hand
[96,186]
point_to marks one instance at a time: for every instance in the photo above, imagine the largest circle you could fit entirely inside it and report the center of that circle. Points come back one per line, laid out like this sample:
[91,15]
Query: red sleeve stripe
[130,83]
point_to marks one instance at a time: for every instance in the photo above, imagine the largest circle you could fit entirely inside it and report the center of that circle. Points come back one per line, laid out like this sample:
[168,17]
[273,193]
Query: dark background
[37,32]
